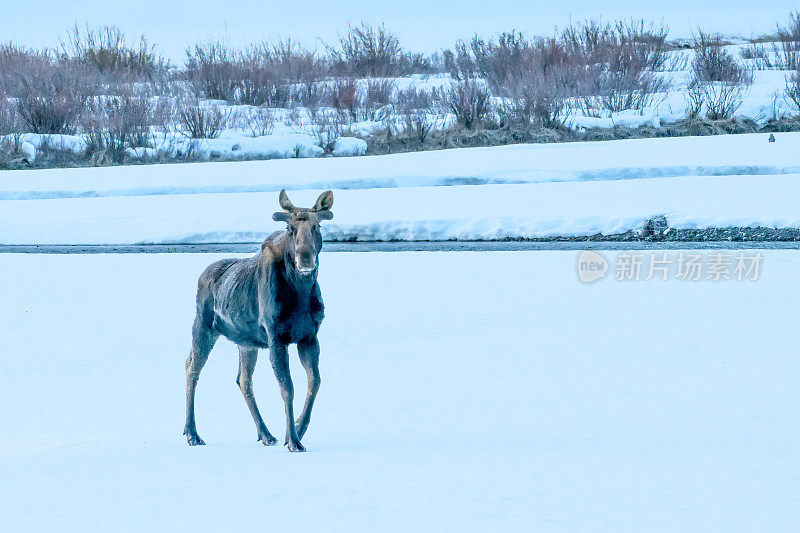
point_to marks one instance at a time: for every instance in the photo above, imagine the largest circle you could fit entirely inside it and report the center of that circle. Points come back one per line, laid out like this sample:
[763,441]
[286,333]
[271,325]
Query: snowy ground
[478,391]
[478,193]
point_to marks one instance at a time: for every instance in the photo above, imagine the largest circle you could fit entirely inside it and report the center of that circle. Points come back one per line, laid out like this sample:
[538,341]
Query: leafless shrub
[308,94]
[718,82]
[459,62]
[712,62]
[191,151]
[327,129]
[52,98]
[639,42]
[606,67]
[10,133]
[643,42]
[107,51]
[344,97]
[788,48]
[792,90]
[419,123]
[260,122]
[533,78]
[212,71]
[260,74]
[11,155]
[469,102]
[256,83]
[419,112]
[10,121]
[538,98]
[722,99]
[378,96]
[295,63]
[618,63]
[268,74]
[416,63]
[758,56]
[676,62]
[115,124]
[296,71]
[616,90]
[16,64]
[695,100]
[164,116]
[587,42]
[203,122]
[367,51]
[413,99]
[379,91]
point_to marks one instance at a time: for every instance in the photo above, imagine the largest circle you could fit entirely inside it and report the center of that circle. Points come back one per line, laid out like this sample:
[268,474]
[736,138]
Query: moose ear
[282,216]
[325,214]
[324,202]
[283,199]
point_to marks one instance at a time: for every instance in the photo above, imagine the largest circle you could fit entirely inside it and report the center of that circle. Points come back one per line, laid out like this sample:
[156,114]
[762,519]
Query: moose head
[304,240]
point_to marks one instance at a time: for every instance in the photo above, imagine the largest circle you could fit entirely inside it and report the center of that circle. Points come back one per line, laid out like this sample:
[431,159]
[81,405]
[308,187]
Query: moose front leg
[279,357]
[308,350]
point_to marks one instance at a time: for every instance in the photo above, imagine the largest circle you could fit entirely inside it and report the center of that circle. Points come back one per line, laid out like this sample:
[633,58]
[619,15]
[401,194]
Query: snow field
[459,390]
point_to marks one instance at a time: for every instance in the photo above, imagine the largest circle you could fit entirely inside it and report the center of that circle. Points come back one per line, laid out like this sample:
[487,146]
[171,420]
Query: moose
[266,301]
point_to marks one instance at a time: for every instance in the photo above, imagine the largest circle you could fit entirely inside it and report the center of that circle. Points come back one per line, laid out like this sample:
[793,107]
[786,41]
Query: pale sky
[422,25]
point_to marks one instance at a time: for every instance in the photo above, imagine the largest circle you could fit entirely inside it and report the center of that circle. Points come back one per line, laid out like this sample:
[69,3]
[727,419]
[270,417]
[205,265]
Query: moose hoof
[267,440]
[295,446]
[194,440]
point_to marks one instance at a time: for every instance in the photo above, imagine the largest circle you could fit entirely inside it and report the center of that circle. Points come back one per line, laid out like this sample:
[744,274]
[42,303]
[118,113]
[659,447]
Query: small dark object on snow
[19,162]
[772,137]
[653,229]
[269,301]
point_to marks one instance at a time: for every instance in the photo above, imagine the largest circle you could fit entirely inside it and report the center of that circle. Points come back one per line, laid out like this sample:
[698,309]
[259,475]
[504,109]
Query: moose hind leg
[308,350]
[279,357]
[247,364]
[203,340]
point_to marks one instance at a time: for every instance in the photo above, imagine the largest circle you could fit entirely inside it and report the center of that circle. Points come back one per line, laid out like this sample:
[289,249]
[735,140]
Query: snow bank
[73,143]
[28,150]
[524,163]
[231,145]
[349,146]
[425,213]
